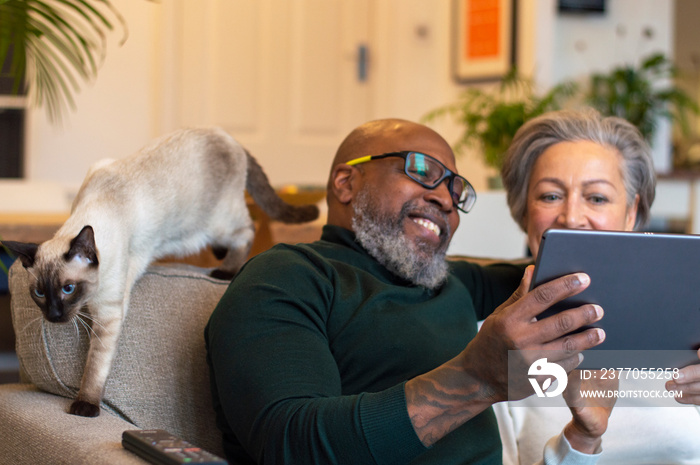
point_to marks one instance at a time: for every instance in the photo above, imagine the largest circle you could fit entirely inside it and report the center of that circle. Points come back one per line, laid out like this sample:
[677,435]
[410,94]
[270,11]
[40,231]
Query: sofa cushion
[160,378]
[36,430]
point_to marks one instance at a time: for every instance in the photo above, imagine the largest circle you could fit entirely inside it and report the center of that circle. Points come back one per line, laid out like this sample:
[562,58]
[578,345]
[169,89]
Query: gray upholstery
[35,430]
[159,378]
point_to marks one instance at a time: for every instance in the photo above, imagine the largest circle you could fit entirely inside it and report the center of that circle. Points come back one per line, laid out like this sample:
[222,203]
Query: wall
[581,44]
[551,47]
[131,102]
[413,66]
[115,114]
[687,48]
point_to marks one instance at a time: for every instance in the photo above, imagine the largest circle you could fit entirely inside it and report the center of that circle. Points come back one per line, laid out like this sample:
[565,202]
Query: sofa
[159,379]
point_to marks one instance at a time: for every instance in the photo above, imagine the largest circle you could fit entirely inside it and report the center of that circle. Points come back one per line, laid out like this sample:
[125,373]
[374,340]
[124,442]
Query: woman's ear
[343,182]
[631,218]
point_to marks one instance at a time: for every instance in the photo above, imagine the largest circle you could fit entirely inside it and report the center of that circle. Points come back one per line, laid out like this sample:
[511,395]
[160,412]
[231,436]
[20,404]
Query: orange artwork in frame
[482,40]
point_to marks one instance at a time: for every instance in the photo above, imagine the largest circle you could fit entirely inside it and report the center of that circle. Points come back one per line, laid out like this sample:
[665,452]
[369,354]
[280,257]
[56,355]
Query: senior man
[363,347]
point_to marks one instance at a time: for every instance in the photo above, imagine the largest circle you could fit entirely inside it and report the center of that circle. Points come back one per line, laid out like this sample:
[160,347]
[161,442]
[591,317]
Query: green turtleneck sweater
[311,345]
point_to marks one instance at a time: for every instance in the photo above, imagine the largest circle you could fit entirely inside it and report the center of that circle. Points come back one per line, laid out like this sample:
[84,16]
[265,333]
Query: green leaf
[634,93]
[491,117]
[56,45]
[8,252]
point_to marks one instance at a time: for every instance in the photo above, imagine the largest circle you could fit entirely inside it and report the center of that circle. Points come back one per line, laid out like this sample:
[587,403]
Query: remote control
[162,448]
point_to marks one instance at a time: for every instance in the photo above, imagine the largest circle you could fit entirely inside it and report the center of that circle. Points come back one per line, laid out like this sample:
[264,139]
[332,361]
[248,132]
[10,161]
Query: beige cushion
[34,429]
[160,378]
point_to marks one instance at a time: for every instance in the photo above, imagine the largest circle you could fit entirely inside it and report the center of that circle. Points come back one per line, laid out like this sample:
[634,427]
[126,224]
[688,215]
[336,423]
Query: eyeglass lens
[423,169]
[429,172]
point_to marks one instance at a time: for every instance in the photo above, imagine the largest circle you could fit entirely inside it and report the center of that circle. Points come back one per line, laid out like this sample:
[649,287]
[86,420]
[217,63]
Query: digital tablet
[647,283]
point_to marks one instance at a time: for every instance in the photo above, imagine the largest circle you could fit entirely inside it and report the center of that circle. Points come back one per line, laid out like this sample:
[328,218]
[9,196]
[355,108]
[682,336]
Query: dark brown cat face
[64,281]
[59,294]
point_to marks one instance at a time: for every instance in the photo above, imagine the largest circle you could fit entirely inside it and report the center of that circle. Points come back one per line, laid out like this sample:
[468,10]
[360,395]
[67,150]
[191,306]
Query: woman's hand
[590,415]
[688,382]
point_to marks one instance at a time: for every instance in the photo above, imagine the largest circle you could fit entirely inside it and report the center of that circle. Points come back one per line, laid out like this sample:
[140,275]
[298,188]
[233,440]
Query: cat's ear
[26,251]
[83,247]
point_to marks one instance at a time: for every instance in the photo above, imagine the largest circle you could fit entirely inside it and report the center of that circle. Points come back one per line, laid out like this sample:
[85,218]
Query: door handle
[362,62]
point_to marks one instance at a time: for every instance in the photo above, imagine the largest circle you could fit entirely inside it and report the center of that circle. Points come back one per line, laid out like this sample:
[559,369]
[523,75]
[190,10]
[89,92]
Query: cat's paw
[84,409]
[218,273]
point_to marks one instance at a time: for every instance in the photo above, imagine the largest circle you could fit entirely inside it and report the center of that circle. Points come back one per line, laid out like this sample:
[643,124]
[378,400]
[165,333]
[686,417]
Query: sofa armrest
[159,378]
[34,428]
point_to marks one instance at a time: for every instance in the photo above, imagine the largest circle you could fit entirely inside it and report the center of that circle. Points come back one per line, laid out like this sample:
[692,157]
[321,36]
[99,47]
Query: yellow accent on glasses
[429,173]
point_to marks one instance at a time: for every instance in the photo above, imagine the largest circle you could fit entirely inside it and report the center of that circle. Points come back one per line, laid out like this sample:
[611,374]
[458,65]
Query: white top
[635,435]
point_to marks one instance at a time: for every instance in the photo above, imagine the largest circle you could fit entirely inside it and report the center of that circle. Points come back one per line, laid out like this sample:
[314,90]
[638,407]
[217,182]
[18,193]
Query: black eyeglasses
[429,173]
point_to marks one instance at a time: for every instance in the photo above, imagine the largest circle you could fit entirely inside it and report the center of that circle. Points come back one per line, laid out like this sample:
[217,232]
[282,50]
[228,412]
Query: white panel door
[282,76]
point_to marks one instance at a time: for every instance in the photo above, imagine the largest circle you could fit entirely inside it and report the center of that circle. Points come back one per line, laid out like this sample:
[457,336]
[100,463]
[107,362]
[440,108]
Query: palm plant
[3,267]
[490,119]
[638,94]
[52,44]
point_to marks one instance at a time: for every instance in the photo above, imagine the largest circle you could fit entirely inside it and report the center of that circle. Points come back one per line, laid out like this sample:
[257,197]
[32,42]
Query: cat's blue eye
[68,289]
[38,293]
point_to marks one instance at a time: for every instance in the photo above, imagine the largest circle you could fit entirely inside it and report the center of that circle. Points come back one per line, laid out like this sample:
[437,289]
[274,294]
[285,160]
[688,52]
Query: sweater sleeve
[490,285]
[275,382]
[558,451]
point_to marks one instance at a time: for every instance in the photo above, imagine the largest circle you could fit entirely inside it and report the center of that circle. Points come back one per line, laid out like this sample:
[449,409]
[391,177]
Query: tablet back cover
[647,283]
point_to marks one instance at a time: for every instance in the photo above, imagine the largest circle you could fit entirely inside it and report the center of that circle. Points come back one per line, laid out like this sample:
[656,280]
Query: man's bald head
[375,138]
[403,224]
[381,136]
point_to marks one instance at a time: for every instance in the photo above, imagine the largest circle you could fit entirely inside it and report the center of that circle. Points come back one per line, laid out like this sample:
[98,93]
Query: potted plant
[3,266]
[50,44]
[642,94]
[489,119]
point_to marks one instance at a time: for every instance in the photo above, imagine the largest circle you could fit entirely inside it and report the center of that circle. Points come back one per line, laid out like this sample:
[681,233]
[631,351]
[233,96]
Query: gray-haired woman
[580,170]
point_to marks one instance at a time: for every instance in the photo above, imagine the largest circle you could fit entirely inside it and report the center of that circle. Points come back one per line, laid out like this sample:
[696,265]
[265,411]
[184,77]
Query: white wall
[413,40]
[576,45]
[115,114]
[128,105]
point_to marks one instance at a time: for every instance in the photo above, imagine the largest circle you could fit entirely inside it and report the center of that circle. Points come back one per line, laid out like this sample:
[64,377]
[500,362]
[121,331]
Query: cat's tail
[259,188]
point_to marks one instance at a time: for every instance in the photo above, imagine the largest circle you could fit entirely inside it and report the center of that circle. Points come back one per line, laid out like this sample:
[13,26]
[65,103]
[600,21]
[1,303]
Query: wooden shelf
[39,227]
[30,227]
[13,102]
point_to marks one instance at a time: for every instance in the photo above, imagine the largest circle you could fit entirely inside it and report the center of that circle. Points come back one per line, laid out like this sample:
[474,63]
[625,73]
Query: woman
[579,170]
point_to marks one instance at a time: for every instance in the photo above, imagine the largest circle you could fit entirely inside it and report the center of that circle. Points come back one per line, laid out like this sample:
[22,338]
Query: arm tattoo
[442,400]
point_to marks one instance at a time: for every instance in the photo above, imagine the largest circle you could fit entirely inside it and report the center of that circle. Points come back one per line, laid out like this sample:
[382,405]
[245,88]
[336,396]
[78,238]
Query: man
[362,347]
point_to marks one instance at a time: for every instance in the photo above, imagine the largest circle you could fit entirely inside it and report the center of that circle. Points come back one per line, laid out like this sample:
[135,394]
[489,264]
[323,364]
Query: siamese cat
[177,195]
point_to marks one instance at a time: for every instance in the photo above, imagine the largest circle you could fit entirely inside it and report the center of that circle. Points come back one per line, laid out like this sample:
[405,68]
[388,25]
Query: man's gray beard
[383,237]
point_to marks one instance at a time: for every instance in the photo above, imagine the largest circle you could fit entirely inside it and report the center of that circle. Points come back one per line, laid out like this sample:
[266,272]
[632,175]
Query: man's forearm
[443,399]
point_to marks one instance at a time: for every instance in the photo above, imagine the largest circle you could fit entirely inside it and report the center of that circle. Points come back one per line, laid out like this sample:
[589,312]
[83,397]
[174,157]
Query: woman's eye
[68,289]
[597,199]
[550,197]
[38,293]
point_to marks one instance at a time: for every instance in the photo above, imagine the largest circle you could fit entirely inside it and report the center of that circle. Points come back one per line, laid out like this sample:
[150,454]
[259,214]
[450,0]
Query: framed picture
[483,39]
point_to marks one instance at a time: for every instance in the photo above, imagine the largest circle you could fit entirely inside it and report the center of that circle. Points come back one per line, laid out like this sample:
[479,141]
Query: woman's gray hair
[538,134]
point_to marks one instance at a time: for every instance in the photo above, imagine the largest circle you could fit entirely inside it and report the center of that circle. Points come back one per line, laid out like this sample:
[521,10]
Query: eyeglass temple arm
[357,161]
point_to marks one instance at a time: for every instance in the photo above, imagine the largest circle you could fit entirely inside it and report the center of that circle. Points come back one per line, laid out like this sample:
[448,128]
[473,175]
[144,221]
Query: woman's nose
[572,215]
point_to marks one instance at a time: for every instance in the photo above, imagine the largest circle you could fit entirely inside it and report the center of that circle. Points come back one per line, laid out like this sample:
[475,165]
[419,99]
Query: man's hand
[688,382]
[445,398]
[514,327]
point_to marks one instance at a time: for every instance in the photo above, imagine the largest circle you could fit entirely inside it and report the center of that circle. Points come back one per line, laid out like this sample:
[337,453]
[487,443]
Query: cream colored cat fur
[179,194]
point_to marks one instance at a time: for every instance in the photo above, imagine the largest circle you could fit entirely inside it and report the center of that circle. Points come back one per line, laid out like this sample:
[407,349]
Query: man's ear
[343,182]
